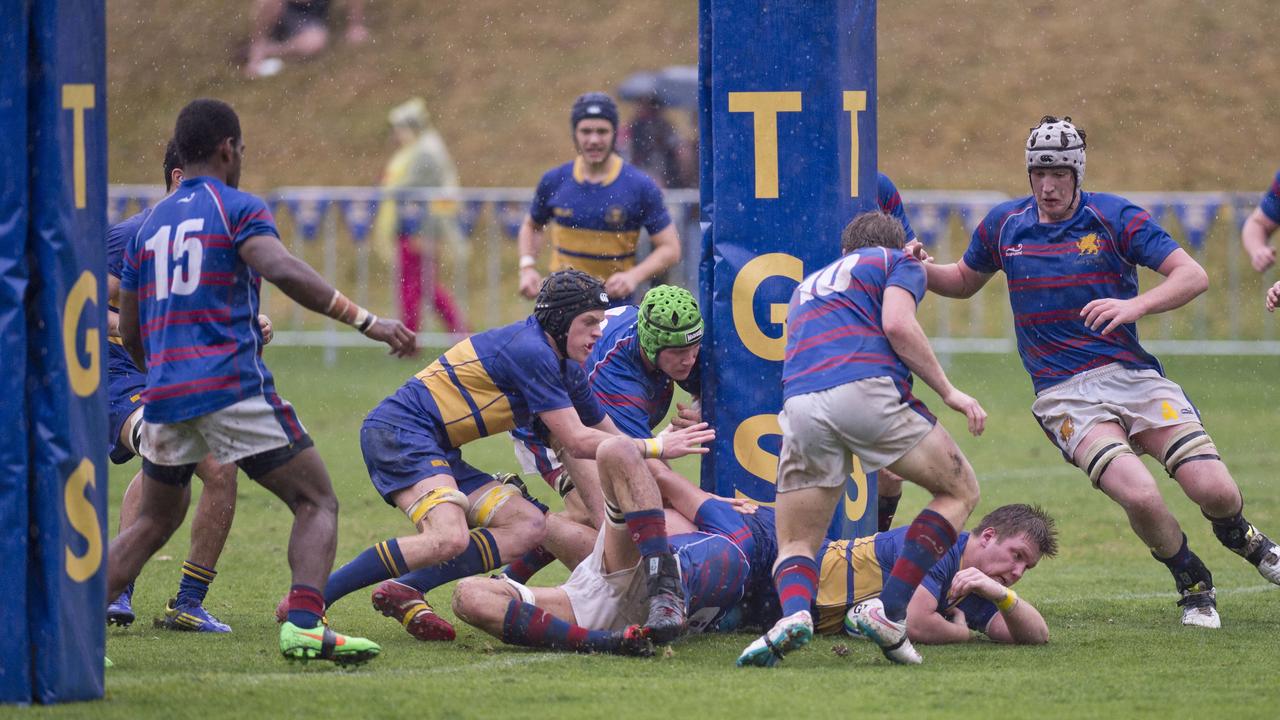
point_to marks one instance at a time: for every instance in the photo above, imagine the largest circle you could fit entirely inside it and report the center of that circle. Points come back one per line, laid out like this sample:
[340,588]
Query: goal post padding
[788,153]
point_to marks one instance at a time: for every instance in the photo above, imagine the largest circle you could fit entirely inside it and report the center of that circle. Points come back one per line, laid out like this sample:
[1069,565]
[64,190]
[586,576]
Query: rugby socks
[929,537]
[480,556]
[648,530]
[527,625]
[796,579]
[526,567]
[306,606]
[1233,532]
[1187,569]
[887,507]
[380,562]
[195,583]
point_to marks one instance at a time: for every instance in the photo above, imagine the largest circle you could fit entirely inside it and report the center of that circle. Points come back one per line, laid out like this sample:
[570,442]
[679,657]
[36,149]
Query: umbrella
[673,86]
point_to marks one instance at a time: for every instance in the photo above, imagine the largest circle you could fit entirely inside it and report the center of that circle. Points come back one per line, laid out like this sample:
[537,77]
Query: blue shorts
[397,458]
[124,397]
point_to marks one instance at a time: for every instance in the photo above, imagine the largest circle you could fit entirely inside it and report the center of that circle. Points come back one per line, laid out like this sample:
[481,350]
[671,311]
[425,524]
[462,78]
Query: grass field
[1116,649]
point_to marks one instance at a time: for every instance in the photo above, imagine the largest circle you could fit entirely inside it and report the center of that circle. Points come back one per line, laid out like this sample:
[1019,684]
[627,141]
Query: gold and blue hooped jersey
[851,571]
[594,226]
[487,384]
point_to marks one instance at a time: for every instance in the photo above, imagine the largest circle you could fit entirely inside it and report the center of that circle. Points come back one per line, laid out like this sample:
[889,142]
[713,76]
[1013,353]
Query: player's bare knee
[466,596]
[616,454]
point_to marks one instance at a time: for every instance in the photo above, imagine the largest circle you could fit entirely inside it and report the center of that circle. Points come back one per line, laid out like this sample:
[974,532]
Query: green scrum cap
[669,318]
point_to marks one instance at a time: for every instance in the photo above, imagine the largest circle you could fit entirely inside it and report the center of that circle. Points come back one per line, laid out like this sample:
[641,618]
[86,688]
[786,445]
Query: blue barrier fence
[332,227]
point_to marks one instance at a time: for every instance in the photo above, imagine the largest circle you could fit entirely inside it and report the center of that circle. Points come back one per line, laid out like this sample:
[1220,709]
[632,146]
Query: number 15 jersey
[198,300]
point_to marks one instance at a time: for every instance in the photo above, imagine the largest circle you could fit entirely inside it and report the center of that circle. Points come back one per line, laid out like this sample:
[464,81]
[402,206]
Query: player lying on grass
[466,520]
[217,506]
[969,590]
[595,610]
[189,315]
[646,566]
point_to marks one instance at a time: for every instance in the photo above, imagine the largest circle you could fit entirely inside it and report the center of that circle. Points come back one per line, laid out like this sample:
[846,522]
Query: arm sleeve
[890,201]
[540,208]
[656,217]
[978,612]
[907,273]
[537,377]
[1142,241]
[584,401]
[252,219]
[983,253]
[1270,204]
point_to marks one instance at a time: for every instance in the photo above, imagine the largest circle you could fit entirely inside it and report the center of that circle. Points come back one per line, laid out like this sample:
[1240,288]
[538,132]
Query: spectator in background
[297,29]
[422,161]
[653,145]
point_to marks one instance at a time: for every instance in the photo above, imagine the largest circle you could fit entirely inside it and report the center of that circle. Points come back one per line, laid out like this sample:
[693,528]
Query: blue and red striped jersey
[1271,200]
[490,383]
[1055,269]
[198,300]
[635,397]
[834,330]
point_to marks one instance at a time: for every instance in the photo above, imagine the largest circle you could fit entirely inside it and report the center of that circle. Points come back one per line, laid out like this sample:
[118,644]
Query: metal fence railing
[331,227]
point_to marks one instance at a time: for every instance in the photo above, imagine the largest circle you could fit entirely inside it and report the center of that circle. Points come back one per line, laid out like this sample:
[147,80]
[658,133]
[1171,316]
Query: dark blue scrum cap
[594,105]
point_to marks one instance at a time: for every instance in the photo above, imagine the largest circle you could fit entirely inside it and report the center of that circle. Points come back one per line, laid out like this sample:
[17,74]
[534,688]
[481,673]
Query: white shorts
[606,601]
[235,432]
[1138,400]
[821,431]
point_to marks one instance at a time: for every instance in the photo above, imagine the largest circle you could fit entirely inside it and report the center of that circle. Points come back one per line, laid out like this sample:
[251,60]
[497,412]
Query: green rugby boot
[324,644]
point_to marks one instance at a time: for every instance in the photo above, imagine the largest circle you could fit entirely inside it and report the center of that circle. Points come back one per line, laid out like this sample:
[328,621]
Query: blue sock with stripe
[380,562]
[480,556]
[195,583]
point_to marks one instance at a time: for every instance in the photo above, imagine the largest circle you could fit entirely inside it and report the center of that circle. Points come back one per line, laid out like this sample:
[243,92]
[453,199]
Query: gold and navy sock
[381,562]
[195,583]
[480,556]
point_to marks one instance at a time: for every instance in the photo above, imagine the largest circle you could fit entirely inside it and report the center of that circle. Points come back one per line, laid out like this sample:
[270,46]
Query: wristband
[527,261]
[1006,603]
[652,448]
[342,309]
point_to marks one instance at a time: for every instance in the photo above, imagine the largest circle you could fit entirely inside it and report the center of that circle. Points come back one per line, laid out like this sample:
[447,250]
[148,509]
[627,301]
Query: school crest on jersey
[1089,244]
[615,216]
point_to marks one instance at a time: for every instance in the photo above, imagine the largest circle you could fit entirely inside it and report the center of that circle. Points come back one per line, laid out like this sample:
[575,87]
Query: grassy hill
[1175,95]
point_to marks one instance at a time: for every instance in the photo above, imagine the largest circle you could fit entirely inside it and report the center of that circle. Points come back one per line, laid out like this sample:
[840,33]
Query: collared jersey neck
[613,168]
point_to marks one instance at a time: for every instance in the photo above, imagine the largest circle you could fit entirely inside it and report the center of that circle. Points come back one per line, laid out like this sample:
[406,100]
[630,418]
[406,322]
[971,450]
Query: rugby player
[595,206]
[633,369]
[188,314]
[1258,228]
[487,384]
[1071,260]
[853,342]
[217,505]
[607,604]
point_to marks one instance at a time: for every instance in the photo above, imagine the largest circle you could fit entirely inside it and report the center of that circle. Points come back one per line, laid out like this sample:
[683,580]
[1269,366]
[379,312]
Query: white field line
[497,663]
